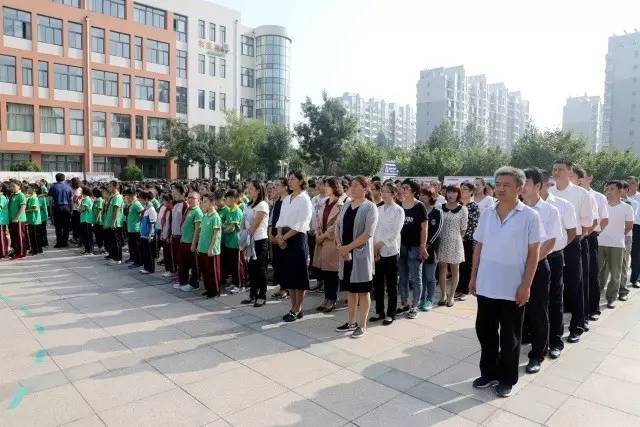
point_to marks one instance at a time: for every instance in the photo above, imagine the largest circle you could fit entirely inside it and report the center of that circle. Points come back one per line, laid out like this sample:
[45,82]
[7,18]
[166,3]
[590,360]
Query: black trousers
[258,270]
[556,313]
[132,243]
[499,330]
[34,242]
[635,254]
[465,267]
[62,223]
[572,277]
[114,242]
[536,316]
[87,236]
[586,268]
[42,234]
[331,282]
[386,277]
[314,272]
[98,234]
[147,254]
[594,280]
[75,224]
[231,265]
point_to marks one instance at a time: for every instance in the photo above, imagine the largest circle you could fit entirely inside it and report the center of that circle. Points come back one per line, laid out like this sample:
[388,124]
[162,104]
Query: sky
[548,49]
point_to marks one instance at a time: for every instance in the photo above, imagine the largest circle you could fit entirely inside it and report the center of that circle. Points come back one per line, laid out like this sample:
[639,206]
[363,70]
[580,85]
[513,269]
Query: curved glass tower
[273,61]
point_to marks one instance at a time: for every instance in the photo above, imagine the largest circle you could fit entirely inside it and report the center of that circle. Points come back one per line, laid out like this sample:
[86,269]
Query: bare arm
[256,222]
[628,226]
[571,234]
[196,237]
[477,250]
[603,224]
[533,255]
[116,212]
[547,247]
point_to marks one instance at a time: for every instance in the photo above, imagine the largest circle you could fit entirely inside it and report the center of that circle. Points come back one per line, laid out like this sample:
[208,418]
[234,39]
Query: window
[97,40]
[72,3]
[212,65]
[246,108]
[43,74]
[247,45]
[52,120]
[149,16]
[181,63]
[181,100]
[201,28]
[222,63]
[180,27]
[144,88]
[137,48]
[201,64]
[222,101]
[75,35]
[120,44]
[61,163]
[139,127]
[126,86]
[68,78]
[223,34]
[9,159]
[76,121]
[157,52]
[27,72]
[120,126]
[7,69]
[212,31]
[49,30]
[212,100]
[155,127]
[113,8]
[99,124]
[163,91]
[20,117]
[104,83]
[17,23]
[200,98]
[246,77]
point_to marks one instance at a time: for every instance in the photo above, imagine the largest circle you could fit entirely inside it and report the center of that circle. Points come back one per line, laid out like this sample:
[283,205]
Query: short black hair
[617,183]
[96,192]
[578,171]
[59,177]
[534,174]
[231,193]
[566,162]
[415,188]
[86,191]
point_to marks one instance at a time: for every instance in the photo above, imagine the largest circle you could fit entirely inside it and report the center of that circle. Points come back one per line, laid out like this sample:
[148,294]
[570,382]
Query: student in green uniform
[4,222]
[32,212]
[112,223]
[18,221]
[44,216]
[209,247]
[231,259]
[98,232]
[87,220]
[187,262]
[134,216]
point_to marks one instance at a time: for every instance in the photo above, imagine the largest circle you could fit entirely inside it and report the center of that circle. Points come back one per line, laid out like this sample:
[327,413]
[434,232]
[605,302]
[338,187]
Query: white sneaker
[143,271]
[176,286]
[113,262]
[187,288]
[167,274]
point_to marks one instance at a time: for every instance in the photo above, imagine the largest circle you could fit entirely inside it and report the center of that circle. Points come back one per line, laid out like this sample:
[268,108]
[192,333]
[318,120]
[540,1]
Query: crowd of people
[530,246]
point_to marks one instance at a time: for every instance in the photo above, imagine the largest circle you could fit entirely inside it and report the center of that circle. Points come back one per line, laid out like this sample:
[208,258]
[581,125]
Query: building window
[212,100]
[7,160]
[201,29]
[52,120]
[68,77]
[43,74]
[152,168]
[104,83]
[113,8]
[27,72]
[120,126]
[17,23]
[157,52]
[20,117]
[137,48]
[200,98]
[72,3]
[155,127]
[212,65]
[126,86]
[120,44]
[180,27]
[223,34]
[49,30]
[222,63]
[247,77]
[181,100]
[97,40]
[99,124]
[61,163]
[75,35]
[222,101]
[139,127]
[181,63]
[144,88]
[212,31]
[201,64]
[163,91]
[76,121]
[148,15]
[7,69]
[246,108]
[247,45]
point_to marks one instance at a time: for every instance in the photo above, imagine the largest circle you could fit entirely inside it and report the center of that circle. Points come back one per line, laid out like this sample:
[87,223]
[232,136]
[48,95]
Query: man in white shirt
[635,241]
[482,200]
[623,293]
[505,258]
[576,254]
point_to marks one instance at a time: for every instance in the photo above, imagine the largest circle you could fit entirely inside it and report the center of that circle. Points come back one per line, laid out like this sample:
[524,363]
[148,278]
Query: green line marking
[40,355]
[5,299]
[26,311]
[17,398]
[40,328]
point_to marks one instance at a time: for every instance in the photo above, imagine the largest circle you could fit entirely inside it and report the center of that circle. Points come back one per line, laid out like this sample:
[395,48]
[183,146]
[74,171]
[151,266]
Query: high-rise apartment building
[88,85]
[582,116]
[376,117]
[620,118]
[448,93]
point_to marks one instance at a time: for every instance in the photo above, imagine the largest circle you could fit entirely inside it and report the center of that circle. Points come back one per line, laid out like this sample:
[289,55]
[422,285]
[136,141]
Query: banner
[32,177]
[457,180]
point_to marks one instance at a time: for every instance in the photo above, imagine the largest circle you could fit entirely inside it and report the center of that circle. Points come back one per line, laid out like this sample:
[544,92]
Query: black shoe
[554,353]
[259,304]
[57,246]
[387,321]
[594,317]
[586,328]
[402,309]
[504,390]
[611,304]
[483,382]
[247,301]
[573,338]
[623,297]
[289,317]
[533,367]
[300,315]
[347,327]
[376,318]
[635,285]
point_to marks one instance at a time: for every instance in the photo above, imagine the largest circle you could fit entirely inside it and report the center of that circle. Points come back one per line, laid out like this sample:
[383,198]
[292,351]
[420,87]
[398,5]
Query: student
[255,224]
[455,218]
[133,227]
[18,219]
[188,264]
[177,215]
[87,220]
[98,231]
[164,223]
[4,222]
[32,212]
[231,220]
[623,293]
[147,233]
[209,247]
[434,218]
[112,223]
[76,187]
[41,192]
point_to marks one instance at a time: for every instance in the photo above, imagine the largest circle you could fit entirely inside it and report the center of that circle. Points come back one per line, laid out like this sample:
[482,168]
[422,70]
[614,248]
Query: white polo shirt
[579,198]
[390,222]
[636,198]
[635,206]
[505,247]
[613,234]
[601,207]
[296,213]
[551,222]
[567,216]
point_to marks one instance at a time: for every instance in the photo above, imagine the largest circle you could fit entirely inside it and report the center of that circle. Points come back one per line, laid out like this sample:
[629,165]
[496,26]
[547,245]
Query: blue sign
[390,169]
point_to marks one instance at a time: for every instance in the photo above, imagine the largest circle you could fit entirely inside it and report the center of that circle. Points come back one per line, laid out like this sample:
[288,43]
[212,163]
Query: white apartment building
[375,116]
[582,116]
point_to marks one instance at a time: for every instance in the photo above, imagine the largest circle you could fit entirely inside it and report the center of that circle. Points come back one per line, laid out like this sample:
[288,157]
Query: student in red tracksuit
[177,216]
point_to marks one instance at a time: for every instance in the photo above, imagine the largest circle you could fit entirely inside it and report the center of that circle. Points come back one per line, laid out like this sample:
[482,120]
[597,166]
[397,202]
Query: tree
[131,173]
[25,166]
[245,137]
[179,141]
[326,129]
[474,136]
[296,161]
[611,164]
[382,140]
[480,161]
[425,161]
[542,149]
[209,148]
[443,136]
[363,158]
[275,148]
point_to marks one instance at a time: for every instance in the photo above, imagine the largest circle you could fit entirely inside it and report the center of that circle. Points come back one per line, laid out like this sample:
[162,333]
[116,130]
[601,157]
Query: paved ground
[84,344]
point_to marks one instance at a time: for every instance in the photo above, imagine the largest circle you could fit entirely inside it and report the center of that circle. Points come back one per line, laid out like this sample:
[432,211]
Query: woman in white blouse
[256,218]
[293,225]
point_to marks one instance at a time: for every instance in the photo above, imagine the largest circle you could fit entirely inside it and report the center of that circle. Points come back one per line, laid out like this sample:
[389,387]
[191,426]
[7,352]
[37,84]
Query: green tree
[326,129]
[542,149]
[209,147]
[611,164]
[474,136]
[25,166]
[275,148]
[296,161]
[425,161]
[179,141]
[443,136]
[481,161]
[131,173]
[363,158]
[245,137]
[382,140]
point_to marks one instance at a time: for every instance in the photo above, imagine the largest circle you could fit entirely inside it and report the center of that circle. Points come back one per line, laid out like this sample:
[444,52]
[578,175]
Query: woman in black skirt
[277,256]
[293,224]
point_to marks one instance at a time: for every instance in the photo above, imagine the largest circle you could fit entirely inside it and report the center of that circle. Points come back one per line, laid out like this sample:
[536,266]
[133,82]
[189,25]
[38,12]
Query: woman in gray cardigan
[354,236]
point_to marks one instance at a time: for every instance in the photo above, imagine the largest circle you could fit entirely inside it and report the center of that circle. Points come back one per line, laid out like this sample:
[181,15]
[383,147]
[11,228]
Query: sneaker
[403,309]
[460,296]
[504,390]
[594,317]
[347,327]
[483,382]
[167,274]
[143,271]
[573,338]
[290,317]
[413,313]
[247,301]
[187,288]
[635,285]
[554,353]
[623,297]
[533,367]
[177,286]
[387,321]
[114,262]
[611,304]
[428,305]
[358,333]
[421,305]
[376,318]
